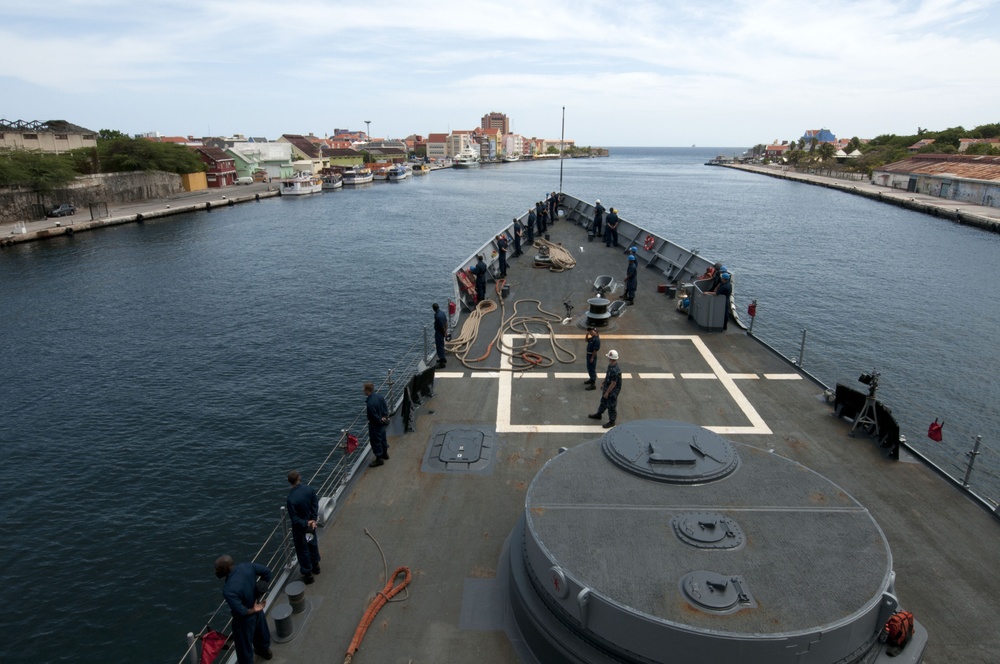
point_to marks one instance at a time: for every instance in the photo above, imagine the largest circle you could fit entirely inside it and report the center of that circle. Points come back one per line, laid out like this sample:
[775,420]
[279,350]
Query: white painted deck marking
[783,376]
[699,376]
[504,424]
[744,376]
[656,376]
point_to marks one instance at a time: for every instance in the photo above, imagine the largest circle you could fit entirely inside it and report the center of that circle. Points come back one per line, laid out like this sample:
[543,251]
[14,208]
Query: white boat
[421,169]
[381,173]
[333,181]
[300,184]
[511,158]
[466,160]
[400,172]
[357,175]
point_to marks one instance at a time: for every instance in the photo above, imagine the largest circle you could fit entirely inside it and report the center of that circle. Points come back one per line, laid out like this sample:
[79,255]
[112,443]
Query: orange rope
[533,358]
[384,595]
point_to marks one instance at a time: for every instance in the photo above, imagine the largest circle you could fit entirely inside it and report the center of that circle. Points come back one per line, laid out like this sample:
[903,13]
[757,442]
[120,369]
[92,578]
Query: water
[160,379]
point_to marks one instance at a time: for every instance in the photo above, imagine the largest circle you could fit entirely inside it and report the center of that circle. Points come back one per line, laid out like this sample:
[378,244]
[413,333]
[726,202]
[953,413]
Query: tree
[42,172]
[853,144]
[552,150]
[110,134]
[826,151]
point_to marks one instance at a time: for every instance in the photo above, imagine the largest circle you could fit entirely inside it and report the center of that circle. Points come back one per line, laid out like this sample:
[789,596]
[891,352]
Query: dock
[960,212]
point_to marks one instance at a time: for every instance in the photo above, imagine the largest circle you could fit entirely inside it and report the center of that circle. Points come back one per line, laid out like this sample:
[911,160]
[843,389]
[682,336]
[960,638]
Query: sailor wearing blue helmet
[631,278]
[725,288]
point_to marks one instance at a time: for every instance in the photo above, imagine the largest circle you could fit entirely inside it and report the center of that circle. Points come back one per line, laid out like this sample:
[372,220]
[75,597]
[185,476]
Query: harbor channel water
[159,379]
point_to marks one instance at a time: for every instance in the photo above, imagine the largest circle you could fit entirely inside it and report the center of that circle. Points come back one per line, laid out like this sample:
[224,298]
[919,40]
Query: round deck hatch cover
[671,452]
[708,530]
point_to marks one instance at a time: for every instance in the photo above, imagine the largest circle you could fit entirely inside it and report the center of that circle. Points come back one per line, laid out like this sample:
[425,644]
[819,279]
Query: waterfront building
[821,136]
[308,156]
[971,178]
[460,142]
[494,120]
[52,136]
[221,167]
[965,143]
[513,144]
[273,158]
[437,146]
[776,151]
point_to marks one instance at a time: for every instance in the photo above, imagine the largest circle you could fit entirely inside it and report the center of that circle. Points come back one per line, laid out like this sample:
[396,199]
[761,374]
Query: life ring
[648,244]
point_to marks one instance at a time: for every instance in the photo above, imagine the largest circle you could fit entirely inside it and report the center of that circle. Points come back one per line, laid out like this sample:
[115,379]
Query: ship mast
[562,139]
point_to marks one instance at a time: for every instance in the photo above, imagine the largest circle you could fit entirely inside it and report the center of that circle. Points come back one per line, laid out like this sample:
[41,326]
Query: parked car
[60,210]
[246,179]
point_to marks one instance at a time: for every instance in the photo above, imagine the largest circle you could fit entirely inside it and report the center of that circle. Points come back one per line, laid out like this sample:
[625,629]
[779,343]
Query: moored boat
[357,175]
[333,181]
[381,173]
[400,172]
[466,161]
[509,158]
[421,169]
[300,184]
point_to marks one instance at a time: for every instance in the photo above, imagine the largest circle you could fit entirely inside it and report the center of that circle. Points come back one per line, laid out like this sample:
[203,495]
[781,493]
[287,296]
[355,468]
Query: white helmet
[612,355]
[598,200]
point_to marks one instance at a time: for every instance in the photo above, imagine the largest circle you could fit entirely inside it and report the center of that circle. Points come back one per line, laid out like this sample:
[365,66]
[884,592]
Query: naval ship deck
[450,528]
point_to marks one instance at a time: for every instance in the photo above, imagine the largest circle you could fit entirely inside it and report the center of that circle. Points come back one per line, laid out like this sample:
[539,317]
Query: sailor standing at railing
[303,511]
[250,632]
[378,419]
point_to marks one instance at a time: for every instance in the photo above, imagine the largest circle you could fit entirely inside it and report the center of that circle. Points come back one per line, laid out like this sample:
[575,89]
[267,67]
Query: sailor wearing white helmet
[610,388]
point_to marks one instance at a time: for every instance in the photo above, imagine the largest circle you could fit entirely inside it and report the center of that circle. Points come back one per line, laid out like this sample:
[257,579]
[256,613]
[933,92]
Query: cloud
[738,68]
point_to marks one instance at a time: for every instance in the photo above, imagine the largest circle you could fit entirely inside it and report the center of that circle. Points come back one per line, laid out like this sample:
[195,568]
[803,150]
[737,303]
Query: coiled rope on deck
[523,358]
[560,259]
[384,596]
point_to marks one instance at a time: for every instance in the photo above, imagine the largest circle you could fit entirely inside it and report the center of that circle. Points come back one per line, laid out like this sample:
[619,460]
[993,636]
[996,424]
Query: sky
[629,73]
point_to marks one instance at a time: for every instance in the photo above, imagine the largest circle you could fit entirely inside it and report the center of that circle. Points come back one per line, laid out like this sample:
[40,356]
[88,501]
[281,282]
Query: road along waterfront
[167,374]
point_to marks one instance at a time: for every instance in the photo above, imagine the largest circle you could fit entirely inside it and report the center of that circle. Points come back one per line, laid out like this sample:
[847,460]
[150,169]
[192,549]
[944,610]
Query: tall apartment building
[494,120]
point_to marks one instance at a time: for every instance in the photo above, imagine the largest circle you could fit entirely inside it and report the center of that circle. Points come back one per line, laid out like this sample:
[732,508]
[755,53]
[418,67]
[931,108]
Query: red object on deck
[452,307]
[352,443]
[934,431]
[752,309]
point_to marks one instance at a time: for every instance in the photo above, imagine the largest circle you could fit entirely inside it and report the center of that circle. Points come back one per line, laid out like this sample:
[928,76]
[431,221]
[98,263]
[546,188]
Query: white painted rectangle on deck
[783,376]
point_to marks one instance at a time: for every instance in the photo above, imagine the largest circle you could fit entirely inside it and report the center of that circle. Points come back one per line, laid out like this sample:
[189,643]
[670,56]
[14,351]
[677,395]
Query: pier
[961,212]
[154,208]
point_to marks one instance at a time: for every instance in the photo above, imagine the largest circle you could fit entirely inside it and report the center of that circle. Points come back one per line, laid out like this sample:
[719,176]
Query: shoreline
[961,212]
[12,233]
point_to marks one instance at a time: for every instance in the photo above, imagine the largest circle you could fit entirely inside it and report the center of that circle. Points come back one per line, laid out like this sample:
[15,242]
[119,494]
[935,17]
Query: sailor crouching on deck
[610,388]
[378,418]
[250,632]
[303,510]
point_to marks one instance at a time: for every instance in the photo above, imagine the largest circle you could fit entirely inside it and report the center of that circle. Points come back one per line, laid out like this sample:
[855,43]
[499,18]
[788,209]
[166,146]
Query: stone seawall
[960,212]
[17,203]
[209,200]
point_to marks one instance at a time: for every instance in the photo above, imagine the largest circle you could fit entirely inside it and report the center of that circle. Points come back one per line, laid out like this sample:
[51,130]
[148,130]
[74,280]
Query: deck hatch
[712,591]
[708,530]
[678,454]
[460,448]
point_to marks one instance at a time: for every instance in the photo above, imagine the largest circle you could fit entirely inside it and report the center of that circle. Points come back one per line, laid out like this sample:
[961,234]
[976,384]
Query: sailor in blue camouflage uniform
[530,226]
[250,632]
[303,511]
[518,233]
[610,388]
